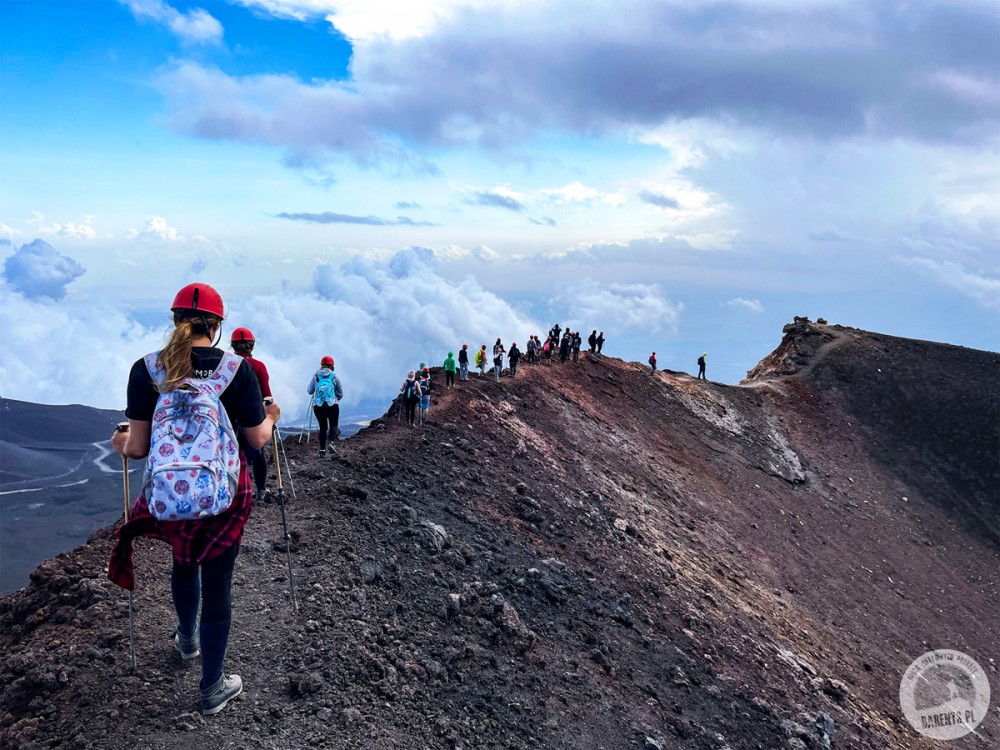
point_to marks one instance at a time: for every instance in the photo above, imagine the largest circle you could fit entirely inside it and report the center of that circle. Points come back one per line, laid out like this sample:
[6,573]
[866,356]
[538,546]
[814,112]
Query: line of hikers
[416,388]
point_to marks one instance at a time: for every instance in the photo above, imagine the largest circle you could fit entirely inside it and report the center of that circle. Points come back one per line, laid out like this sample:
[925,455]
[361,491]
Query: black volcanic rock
[664,563]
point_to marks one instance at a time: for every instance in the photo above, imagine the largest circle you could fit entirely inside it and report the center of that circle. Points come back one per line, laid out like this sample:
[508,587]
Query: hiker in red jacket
[652,362]
[243,342]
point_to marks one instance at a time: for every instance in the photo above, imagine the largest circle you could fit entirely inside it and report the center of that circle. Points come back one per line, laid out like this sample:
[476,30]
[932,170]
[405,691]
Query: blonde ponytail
[175,357]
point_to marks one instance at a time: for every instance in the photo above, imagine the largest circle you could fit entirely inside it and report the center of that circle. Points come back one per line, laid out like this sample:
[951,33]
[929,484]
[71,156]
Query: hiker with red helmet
[481,360]
[513,357]
[242,342]
[498,355]
[463,362]
[326,390]
[201,515]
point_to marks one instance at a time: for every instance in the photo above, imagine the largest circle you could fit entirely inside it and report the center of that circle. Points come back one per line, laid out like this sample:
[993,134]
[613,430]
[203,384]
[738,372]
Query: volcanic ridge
[585,556]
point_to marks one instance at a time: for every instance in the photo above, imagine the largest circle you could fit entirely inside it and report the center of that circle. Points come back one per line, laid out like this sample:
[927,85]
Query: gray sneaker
[187,647]
[218,696]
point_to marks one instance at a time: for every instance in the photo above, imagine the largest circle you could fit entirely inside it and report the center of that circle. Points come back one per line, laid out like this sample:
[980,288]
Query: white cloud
[364,20]
[618,307]
[196,25]
[501,196]
[157,229]
[974,89]
[72,230]
[37,271]
[574,192]
[496,74]
[8,231]
[977,286]
[739,303]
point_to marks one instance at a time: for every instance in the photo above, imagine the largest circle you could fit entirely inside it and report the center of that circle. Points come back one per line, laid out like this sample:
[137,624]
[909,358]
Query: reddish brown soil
[586,556]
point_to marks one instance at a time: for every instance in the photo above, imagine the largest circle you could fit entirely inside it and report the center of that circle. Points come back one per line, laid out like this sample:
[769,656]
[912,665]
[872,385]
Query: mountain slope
[57,483]
[584,556]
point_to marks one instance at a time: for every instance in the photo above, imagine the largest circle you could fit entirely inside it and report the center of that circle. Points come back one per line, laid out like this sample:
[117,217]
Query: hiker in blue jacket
[325,388]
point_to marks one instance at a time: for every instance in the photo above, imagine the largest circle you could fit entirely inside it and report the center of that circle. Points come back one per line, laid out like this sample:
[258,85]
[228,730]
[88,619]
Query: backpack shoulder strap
[225,373]
[156,370]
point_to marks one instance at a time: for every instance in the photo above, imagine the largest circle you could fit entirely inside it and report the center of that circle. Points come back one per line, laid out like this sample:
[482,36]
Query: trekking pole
[123,427]
[309,423]
[284,522]
[284,457]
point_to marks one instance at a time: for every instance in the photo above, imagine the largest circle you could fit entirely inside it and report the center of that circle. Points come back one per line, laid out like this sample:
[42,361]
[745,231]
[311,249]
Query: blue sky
[384,180]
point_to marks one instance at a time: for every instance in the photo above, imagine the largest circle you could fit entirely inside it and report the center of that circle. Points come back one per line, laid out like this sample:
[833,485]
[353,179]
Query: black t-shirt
[242,399]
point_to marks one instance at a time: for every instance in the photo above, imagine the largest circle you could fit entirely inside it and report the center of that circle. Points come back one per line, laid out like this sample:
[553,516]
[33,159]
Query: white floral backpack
[194,462]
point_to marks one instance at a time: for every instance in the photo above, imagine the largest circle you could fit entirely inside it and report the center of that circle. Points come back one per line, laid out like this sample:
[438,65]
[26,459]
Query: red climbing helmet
[465,346]
[242,334]
[427,369]
[327,360]
[200,298]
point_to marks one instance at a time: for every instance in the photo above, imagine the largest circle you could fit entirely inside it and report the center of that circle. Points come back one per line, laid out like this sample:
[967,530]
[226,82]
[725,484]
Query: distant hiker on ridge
[592,341]
[325,388]
[411,396]
[202,521]
[425,393]
[564,348]
[449,370]
[652,362]
[498,353]
[481,361]
[600,342]
[513,357]
[701,365]
[463,362]
[242,342]
[576,342]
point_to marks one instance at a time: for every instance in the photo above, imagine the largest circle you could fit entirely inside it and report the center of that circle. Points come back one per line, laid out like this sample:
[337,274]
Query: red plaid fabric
[193,542]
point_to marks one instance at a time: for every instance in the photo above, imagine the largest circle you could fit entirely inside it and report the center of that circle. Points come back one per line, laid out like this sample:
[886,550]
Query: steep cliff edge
[585,556]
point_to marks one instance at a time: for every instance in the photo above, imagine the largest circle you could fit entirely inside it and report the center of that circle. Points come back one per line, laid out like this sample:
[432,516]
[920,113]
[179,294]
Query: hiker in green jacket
[449,370]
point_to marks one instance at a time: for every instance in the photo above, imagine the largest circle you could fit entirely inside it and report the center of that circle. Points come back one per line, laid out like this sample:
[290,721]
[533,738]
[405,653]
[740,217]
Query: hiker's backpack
[701,361]
[410,389]
[425,386]
[326,390]
[652,360]
[193,467]
[480,357]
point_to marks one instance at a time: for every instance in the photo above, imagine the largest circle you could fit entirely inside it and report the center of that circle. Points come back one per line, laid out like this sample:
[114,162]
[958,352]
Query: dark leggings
[258,463]
[449,378]
[327,417]
[411,409]
[214,590]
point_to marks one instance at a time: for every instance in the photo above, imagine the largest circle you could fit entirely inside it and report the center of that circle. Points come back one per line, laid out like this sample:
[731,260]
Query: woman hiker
[204,545]
[326,390]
